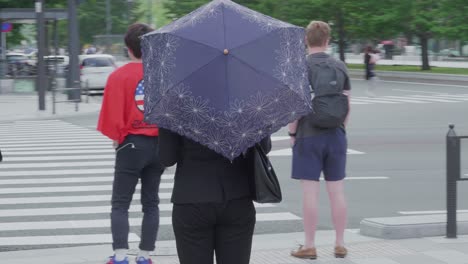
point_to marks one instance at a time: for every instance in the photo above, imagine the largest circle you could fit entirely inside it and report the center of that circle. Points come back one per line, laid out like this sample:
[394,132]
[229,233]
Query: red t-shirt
[123,105]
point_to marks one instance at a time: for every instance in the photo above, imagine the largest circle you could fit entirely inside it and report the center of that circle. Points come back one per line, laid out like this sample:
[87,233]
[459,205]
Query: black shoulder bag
[266,187]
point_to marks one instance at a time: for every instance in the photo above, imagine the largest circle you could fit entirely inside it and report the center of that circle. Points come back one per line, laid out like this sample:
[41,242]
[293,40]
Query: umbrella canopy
[225,76]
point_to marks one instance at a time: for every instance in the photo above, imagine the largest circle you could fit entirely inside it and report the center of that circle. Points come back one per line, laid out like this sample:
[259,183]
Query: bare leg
[310,210]
[339,209]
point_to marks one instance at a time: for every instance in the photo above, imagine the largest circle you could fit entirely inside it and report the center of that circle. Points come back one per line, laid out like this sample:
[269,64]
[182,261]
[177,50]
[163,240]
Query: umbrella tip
[226,52]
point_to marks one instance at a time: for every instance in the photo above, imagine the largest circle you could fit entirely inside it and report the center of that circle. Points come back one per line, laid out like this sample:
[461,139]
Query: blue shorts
[325,152]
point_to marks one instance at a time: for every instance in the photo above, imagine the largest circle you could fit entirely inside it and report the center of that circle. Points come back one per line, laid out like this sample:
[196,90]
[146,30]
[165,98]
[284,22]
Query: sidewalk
[274,249]
[14,107]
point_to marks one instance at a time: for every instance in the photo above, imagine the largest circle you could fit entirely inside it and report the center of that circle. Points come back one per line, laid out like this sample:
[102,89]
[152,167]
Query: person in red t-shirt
[121,119]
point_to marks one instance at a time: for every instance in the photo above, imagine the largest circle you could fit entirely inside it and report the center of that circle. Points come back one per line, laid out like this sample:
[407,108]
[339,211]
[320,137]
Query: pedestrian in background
[370,60]
[319,140]
[136,143]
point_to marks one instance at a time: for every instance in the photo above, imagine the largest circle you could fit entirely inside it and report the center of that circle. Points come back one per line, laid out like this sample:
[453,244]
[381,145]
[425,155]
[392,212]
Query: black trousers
[203,229]
[137,159]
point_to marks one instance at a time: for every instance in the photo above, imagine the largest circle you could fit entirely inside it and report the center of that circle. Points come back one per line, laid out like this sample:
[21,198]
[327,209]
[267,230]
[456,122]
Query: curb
[404,227]
[415,76]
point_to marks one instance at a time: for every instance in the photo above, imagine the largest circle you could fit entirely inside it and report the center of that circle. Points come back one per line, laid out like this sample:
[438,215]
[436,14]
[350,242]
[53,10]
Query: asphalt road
[404,142]
[400,168]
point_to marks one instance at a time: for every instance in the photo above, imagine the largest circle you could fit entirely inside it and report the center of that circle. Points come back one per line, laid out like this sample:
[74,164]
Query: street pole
[41,81]
[453,174]
[108,17]
[73,50]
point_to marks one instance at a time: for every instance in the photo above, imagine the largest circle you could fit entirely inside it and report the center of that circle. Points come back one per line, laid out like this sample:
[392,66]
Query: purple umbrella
[225,76]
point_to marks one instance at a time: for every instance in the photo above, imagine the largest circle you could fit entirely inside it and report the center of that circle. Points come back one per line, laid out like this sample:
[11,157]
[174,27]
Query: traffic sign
[7,27]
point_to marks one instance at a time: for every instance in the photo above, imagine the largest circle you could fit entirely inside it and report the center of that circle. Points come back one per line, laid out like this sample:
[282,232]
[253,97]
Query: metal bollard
[453,175]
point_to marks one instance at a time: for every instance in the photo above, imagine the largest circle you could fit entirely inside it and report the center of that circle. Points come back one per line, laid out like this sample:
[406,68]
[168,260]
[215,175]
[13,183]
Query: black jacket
[202,175]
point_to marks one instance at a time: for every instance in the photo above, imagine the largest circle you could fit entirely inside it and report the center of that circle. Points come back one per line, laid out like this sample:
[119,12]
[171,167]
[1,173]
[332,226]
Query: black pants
[202,229]
[137,158]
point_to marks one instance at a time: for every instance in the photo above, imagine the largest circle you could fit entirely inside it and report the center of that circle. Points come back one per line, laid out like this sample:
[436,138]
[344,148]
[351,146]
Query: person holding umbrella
[220,80]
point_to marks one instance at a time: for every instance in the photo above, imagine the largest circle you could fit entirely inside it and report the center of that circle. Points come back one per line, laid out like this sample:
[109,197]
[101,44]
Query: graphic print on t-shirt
[140,96]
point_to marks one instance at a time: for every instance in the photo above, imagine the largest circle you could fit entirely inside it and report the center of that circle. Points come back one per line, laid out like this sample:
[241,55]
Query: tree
[15,36]
[423,21]
[453,24]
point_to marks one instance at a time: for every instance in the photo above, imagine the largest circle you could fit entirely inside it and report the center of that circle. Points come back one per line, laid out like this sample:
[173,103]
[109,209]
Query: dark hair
[132,37]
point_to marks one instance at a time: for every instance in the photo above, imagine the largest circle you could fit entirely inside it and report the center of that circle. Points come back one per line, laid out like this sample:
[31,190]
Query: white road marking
[366,178]
[416,91]
[29,150]
[432,98]
[105,223]
[280,138]
[109,179]
[373,100]
[60,158]
[70,199]
[167,207]
[288,152]
[44,146]
[62,240]
[57,164]
[405,99]
[66,189]
[4,173]
[51,152]
[40,138]
[52,140]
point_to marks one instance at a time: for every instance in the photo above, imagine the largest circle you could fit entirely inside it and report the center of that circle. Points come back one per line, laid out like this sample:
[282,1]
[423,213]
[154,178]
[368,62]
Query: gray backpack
[327,80]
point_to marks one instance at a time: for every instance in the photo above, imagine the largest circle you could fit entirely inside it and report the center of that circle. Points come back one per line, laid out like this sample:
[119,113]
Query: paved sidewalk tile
[375,261]
[416,259]
[448,256]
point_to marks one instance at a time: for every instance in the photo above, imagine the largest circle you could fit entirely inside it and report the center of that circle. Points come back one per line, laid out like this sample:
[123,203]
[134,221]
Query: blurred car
[19,64]
[95,69]
[450,53]
[62,64]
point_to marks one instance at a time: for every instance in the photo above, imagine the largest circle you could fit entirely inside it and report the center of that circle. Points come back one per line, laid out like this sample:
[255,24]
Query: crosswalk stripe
[40,133]
[406,100]
[12,138]
[359,103]
[372,100]
[105,150]
[105,223]
[52,140]
[69,199]
[4,173]
[62,240]
[60,158]
[55,149]
[451,97]
[166,207]
[432,98]
[57,164]
[288,152]
[41,128]
[68,180]
[64,189]
[43,146]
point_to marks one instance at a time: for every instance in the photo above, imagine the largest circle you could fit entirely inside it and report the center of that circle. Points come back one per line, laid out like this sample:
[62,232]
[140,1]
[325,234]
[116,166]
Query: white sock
[143,253]
[120,254]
